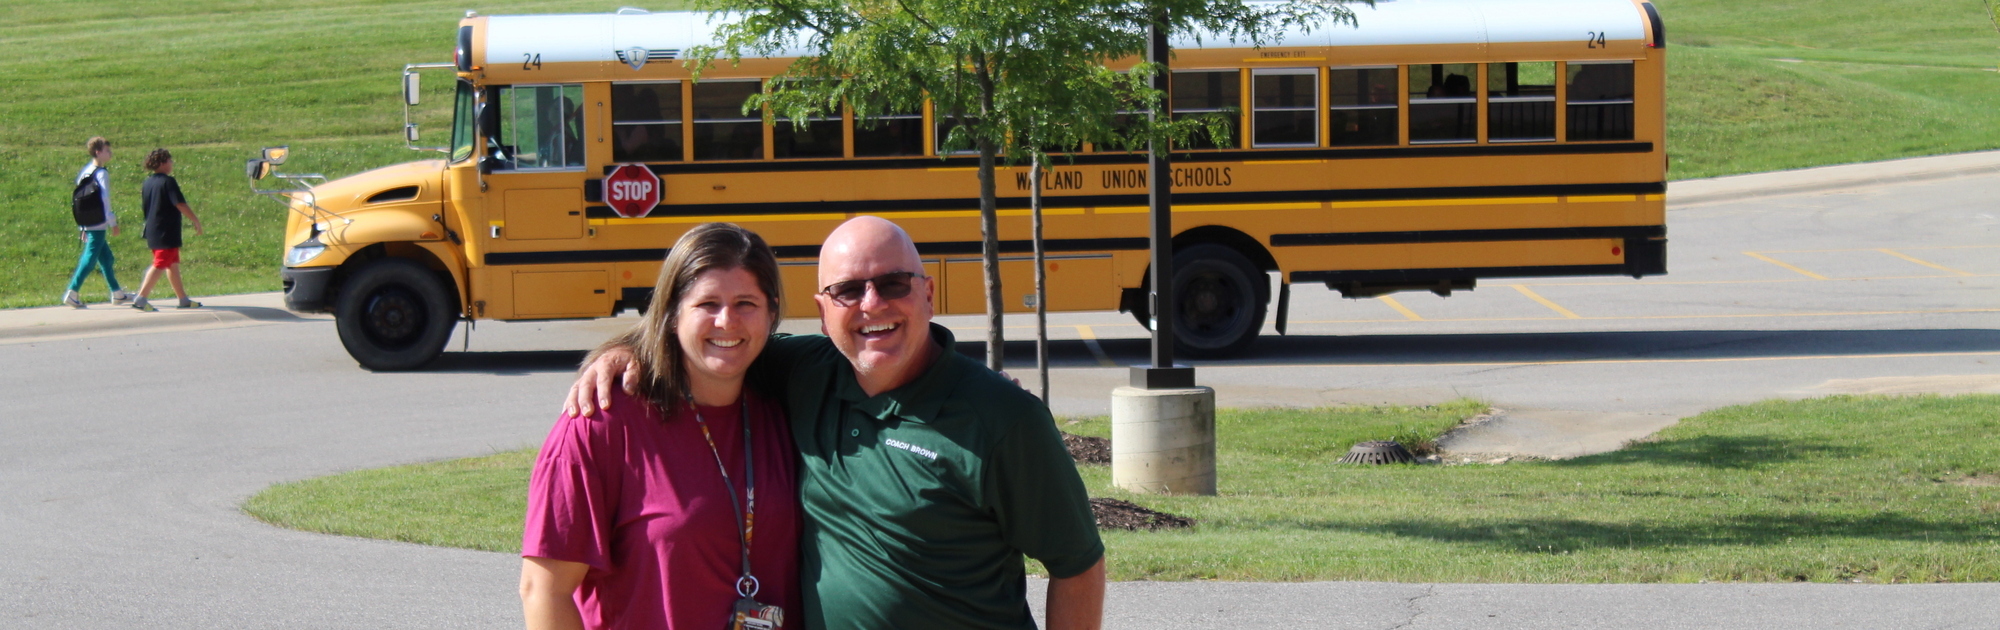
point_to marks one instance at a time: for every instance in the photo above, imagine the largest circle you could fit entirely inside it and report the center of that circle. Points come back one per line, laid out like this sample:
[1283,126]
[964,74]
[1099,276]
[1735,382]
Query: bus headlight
[303,252]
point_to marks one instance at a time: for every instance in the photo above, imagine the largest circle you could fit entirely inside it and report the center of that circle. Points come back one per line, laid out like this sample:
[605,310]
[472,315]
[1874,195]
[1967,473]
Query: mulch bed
[1116,514]
[1088,450]
[1113,513]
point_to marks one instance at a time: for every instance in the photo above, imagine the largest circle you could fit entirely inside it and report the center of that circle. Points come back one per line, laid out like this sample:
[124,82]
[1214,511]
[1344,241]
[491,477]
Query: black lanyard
[746,519]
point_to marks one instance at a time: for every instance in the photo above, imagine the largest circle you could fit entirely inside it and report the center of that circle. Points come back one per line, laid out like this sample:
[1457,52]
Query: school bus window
[646,122]
[889,135]
[1361,104]
[945,125]
[1600,100]
[817,137]
[1120,122]
[1209,93]
[463,116]
[541,127]
[1443,107]
[722,131]
[1521,101]
[1284,105]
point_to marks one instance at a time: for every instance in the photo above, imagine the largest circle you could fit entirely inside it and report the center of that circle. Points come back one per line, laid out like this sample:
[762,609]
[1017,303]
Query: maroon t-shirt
[642,502]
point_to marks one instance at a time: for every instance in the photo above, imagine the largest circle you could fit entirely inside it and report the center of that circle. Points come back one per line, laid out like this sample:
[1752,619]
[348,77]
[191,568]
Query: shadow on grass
[507,363]
[1715,451]
[1554,535]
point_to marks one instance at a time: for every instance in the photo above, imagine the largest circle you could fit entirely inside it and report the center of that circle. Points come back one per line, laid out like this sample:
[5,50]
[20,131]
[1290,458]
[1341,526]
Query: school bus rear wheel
[394,315]
[1220,296]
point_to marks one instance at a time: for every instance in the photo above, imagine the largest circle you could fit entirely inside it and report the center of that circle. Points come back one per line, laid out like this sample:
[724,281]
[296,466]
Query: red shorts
[164,258]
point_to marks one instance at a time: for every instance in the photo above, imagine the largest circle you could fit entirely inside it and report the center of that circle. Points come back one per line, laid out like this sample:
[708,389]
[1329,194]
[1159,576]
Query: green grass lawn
[1877,489]
[214,80]
[1782,84]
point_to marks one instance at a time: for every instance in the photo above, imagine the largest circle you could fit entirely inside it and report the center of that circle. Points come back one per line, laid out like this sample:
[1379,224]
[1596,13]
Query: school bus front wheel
[394,314]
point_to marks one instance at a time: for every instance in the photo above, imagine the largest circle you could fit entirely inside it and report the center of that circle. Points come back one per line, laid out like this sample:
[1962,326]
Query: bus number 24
[531,61]
[1594,39]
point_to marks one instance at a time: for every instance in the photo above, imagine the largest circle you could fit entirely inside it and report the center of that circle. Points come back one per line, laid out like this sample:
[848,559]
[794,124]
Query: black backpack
[86,204]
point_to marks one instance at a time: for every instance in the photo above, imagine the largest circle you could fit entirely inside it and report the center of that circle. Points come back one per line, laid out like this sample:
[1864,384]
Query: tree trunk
[989,232]
[1041,278]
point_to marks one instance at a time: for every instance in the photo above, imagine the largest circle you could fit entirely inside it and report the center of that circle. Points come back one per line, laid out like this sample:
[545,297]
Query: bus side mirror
[276,155]
[410,132]
[410,92]
[489,122]
[256,169]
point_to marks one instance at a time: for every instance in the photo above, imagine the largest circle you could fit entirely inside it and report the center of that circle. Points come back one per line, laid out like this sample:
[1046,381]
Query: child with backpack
[161,199]
[90,205]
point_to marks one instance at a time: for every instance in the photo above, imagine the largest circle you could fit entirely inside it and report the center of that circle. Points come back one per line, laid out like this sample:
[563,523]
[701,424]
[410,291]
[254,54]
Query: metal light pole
[1163,425]
[1162,374]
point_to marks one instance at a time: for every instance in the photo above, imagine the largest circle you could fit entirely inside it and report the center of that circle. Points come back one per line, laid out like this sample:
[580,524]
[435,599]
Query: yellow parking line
[1932,265]
[1781,263]
[1407,313]
[1545,302]
[1090,341]
[1869,249]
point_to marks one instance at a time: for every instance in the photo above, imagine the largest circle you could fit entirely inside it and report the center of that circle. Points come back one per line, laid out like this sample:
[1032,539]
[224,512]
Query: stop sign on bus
[632,190]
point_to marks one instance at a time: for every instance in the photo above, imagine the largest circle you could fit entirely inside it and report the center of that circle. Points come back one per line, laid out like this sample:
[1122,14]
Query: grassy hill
[1753,87]
[211,80]
[1773,85]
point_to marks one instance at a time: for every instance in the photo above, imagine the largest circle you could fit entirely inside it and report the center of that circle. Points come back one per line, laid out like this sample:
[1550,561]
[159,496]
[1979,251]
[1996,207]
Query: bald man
[925,477]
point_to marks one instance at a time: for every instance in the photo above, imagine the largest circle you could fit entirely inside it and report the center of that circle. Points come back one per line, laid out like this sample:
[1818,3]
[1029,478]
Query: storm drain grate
[1378,452]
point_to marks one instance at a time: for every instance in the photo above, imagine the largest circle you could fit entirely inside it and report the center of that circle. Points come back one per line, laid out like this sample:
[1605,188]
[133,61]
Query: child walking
[164,205]
[96,248]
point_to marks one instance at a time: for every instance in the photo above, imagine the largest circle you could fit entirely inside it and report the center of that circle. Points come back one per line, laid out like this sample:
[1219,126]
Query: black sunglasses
[890,286]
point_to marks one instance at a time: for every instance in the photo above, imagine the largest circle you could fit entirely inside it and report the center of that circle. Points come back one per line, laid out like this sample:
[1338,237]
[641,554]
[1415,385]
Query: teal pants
[96,253]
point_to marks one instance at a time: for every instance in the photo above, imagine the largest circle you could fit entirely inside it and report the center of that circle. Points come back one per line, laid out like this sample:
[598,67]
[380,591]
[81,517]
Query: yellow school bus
[1435,143]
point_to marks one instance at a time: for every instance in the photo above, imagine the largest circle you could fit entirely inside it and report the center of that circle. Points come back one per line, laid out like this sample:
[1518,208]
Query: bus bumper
[1645,257]
[305,288]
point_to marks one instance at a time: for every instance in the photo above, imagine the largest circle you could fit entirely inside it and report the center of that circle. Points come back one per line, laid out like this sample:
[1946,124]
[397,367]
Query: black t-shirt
[159,196]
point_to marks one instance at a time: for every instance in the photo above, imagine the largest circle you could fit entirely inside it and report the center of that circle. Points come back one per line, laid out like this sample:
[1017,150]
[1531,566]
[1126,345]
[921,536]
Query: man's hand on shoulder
[1010,377]
[592,389]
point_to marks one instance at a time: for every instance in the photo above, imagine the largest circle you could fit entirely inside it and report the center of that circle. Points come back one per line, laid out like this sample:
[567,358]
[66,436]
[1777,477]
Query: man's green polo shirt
[921,501]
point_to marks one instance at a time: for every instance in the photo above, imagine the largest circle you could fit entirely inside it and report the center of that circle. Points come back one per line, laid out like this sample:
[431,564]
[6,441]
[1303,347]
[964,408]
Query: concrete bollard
[1163,440]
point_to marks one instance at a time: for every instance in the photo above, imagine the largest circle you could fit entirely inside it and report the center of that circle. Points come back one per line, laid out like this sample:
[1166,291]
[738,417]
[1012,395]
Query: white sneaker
[72,299]
[120,296]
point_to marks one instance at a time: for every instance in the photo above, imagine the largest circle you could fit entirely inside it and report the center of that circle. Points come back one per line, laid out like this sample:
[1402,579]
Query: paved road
[126,449]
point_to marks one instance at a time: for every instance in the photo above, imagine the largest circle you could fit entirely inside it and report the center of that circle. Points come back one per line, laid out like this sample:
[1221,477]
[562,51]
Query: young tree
[1013,77]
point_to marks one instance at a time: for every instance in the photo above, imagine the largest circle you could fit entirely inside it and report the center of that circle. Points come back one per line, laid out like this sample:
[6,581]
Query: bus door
[536,209]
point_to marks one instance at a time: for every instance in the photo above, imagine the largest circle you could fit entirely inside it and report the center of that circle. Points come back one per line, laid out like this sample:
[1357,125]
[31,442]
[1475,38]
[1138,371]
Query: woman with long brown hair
[680,509]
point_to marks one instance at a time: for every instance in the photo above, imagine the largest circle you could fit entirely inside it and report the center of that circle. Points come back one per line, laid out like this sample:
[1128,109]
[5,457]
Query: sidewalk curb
[1836,177]
[137,321]
[52,323]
